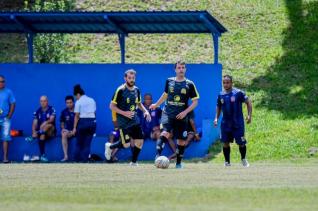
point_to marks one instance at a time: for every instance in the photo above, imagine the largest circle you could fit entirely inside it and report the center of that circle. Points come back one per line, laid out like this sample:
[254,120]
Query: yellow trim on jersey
[122,137]
[114,116]
[116,94]
[196,91]
[113,102]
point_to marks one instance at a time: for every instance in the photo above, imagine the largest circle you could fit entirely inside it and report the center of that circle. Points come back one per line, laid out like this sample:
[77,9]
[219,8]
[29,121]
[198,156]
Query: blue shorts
[5,127]
[228,135]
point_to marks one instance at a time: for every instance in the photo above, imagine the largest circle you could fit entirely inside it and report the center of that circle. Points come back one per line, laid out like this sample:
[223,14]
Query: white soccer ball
[162,162]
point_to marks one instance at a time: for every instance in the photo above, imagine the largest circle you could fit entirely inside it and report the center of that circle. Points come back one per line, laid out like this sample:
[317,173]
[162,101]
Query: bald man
[43,127]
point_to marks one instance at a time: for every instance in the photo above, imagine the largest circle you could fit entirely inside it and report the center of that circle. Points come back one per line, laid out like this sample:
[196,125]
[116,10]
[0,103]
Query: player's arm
[34,126]
[12,108]
[188,110]
[159,102]
[163,97]
[249,111]
[76,119]
[218,111]
[128,114]
[194,95]
[145,111]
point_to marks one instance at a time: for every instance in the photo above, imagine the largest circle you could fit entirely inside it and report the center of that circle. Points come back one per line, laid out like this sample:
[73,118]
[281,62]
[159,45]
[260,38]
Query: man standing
[43,126]
[7,106]
[178,90]
[124,102]
[67,124]
[229,102]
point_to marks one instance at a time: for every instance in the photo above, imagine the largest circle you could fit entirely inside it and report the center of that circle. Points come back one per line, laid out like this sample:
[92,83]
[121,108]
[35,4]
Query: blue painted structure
[29,81]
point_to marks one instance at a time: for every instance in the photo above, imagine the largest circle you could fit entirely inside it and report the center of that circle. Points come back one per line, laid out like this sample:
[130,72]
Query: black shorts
[134,132]
[179,127]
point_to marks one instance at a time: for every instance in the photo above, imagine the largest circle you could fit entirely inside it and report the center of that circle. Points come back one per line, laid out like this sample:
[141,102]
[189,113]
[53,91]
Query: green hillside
[271,49]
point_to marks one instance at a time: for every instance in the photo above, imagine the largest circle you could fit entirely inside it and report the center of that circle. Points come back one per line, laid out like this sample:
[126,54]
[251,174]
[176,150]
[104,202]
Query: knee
[226,145]
[139,143]
[181,142]
[165,134]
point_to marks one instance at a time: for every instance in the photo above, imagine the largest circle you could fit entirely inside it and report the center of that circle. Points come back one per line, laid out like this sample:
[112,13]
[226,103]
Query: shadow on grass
[291,84]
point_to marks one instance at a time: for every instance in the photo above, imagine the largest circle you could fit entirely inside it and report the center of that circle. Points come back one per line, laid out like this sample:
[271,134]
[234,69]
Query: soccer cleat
[179,166]
[226,164]
[108,151]
[44,159]
[35,158]
[26,158]
[133,164]
[245,163]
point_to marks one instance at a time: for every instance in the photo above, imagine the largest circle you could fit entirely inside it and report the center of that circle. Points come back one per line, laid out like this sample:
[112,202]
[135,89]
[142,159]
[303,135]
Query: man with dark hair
[43,126]
[178,90]
[229,102]
[84,123]
[7,106]
[67,124]
[124,102]
[150,129]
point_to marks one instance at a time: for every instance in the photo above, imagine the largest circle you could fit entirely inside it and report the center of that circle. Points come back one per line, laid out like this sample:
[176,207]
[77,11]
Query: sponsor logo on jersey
[177,98]
[183,91]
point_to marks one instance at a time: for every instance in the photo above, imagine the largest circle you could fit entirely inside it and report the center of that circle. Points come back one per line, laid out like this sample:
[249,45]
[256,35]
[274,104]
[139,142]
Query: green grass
[271,49]
[263,186]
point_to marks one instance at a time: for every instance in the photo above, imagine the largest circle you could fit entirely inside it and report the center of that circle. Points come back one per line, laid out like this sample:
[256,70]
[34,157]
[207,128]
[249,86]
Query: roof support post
[216,48]
[121,38]
[30,46]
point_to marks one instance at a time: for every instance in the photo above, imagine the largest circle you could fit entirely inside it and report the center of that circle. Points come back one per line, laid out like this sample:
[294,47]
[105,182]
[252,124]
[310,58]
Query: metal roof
[110,22]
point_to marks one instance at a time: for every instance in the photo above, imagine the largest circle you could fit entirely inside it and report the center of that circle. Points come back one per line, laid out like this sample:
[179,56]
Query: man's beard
[131,84]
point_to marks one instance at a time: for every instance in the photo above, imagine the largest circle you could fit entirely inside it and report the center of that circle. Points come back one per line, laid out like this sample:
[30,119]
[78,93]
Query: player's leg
[241,142]
[123,142]
[226,138]
[137,136]
[180,129]
[65,136]
[5,137]
[166,126]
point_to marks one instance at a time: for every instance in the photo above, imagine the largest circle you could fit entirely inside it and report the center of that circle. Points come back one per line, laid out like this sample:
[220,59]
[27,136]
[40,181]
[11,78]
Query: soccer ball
[162,162]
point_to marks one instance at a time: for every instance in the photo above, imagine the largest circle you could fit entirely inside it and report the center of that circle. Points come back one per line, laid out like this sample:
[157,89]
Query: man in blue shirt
[43,126]
[151,129]
[67,124]
[230,102]
[7,106]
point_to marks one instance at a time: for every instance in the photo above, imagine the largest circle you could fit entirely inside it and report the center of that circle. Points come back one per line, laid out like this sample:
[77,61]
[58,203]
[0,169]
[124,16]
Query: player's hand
[34,134]
[129,114]
[248,119]
[152,107]
[197,137]
[181,115]
[215,122]
[147,116]
[74,131]
[43,125]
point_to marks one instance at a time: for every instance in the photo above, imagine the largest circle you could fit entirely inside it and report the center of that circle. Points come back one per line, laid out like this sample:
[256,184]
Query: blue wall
[30,81]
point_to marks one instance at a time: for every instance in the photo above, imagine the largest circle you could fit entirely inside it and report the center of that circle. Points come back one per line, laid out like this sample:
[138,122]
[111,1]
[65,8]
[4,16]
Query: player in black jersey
[178,91]
[124,102]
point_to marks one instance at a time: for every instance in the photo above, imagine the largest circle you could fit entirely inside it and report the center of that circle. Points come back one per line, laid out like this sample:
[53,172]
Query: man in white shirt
[84,123]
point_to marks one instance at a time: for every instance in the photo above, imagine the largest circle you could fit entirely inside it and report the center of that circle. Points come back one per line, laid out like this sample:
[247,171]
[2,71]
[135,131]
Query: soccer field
[203,186]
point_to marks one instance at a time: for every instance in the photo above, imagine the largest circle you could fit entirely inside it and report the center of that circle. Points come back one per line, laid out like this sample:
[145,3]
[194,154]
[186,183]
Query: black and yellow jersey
[126,100]
[178,95]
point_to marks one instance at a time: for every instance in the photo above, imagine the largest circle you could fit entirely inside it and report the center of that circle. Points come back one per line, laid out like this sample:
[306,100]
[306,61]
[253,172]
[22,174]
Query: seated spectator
[67,124]
[193,134]
[43,127]
[150,129]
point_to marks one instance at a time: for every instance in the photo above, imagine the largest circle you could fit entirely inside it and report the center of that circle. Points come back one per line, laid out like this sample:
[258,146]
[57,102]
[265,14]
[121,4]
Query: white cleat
[133,164]
[245,163]
[108,151]
[227,164]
